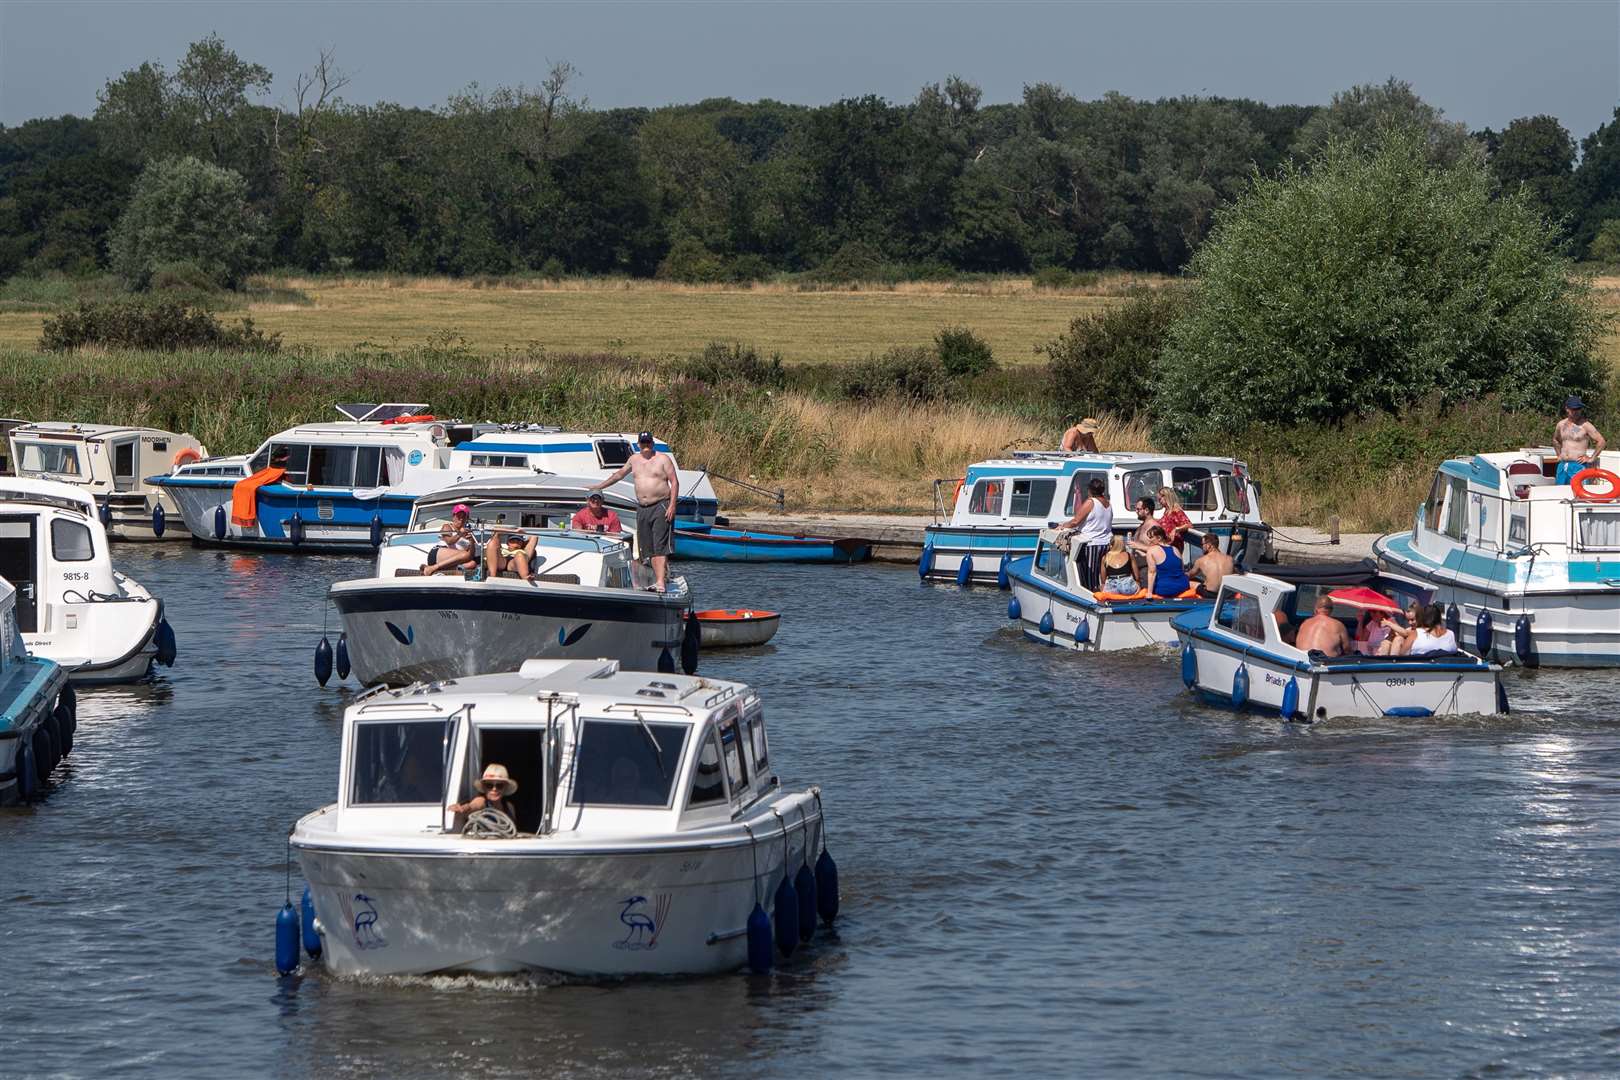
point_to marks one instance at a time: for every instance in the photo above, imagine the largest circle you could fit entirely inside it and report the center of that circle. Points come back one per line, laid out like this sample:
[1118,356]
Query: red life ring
[1577,484]
[186,456]
[422,418]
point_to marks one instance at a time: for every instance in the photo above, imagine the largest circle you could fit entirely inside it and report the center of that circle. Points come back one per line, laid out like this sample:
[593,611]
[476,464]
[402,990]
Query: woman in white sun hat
[495,786]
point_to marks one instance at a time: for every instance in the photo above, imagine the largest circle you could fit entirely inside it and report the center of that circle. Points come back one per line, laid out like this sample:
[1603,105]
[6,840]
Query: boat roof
[599,686]
[48,492]
[89,431]
[546,488]
[1063,461]
[359,429]
[549,438]
[388,410]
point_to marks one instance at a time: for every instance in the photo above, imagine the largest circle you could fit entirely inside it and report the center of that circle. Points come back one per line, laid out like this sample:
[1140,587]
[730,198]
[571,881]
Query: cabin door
[19,564]
[123,465]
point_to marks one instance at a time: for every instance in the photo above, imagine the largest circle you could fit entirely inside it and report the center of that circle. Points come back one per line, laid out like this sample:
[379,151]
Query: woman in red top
[1174,520]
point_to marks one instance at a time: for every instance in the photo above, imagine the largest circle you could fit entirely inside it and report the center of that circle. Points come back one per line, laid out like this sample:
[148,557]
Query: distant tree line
[533,180]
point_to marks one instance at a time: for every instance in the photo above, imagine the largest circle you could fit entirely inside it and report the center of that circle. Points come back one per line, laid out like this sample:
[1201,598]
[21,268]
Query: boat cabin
[595,752]
[111,463]
[1036,488]
[1265,611]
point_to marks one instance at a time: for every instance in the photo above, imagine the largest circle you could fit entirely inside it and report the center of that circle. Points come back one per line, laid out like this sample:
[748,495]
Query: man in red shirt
[596,517]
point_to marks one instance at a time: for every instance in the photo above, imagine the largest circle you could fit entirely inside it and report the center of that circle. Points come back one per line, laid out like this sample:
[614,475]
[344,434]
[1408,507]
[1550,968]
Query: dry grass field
[655,319]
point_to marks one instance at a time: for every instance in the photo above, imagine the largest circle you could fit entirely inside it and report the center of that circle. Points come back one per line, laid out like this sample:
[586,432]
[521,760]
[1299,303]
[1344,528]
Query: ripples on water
[1052,865]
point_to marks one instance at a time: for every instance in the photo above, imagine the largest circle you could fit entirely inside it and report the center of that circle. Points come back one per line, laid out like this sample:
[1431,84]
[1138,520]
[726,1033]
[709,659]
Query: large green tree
[1363,114]
[186,211]
[1368,282]
[1535,155]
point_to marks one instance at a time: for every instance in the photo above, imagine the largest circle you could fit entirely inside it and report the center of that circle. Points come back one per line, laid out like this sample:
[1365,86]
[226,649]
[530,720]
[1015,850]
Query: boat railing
[940,513]
[1515,514]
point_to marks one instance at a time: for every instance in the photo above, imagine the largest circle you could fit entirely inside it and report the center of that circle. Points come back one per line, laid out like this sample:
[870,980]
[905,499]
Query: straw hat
[1089,426]
[497,774]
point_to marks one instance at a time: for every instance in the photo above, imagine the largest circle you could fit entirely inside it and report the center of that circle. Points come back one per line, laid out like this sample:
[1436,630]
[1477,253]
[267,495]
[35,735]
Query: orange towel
[1143,594]
[245,496]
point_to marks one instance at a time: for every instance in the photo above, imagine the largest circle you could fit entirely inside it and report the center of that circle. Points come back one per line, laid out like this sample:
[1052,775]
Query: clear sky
[1483,63]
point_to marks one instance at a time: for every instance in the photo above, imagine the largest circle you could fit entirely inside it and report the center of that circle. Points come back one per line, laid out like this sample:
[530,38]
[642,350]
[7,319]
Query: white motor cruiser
[112,463]
[1233,653]
[1528,568]
[589,597]
[72,606]
[644,836]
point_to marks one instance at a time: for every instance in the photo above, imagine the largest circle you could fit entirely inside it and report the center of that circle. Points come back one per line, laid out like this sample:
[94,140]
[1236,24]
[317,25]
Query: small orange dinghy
[730,629]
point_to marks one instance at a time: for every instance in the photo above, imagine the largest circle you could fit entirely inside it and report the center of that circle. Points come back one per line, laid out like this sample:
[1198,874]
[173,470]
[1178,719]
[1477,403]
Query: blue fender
[1501,697]
[1015,610]
[1046,623]
[925,562]
[286,939]
[1521,640]
[1002,581]
[1484,633]
[342,657]
[376,530]
[323,661]
[1454,621]
[105,513]
[964,573]
[295,528]
[312,939]
[1290,699]
[160,520]
[785,916]
[759,941]
[1189,666]
[1240,686]
[804,883]
[1082,631]
[220,522]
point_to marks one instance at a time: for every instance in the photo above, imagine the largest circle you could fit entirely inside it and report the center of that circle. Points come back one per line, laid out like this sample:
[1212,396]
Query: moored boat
[645,830]
[736,629]
[1233,653]
[111,463]
[695,540]
[38,714]
[72,606]
[997,511]
[589,596]
[1527,568]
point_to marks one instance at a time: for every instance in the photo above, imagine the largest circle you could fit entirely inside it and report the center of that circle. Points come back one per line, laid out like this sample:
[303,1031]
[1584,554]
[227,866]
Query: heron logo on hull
[364,922]
[644,926]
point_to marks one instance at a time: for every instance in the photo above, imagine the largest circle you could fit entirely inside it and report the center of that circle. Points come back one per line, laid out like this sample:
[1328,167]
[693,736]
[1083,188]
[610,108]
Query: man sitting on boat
[1081,437]
[1210,567]
[456,547]
[1322,632]
[496,786]
[1579,442]
[595,516]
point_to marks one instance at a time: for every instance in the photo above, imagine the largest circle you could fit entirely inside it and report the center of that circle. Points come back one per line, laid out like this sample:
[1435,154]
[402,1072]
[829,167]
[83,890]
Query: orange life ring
[1577,484]
[185,456]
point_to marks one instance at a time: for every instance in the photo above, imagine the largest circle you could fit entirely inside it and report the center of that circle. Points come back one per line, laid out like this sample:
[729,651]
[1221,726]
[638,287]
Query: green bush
[913,374]
[1368,282]
[747,268]
[720,364]
[854,261]
[186,211]
[1109,361]
[690,262]
[156,326]
[1605,246]
[962,353]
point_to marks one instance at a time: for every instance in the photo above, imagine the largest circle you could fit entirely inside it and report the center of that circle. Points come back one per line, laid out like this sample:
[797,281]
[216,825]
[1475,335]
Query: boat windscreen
[398,761]
[627,762]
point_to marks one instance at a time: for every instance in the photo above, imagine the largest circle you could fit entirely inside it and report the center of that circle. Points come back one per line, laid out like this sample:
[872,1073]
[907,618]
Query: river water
[1051,865]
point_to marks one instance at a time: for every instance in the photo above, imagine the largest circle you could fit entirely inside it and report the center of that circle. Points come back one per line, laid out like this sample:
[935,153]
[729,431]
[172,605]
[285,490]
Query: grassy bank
[796,430]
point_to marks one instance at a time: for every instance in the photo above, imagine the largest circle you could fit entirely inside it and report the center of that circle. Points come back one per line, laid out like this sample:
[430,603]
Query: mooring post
[1333,529]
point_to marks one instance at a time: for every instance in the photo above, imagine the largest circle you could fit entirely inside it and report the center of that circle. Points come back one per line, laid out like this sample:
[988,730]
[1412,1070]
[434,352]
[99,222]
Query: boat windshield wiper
[658,751]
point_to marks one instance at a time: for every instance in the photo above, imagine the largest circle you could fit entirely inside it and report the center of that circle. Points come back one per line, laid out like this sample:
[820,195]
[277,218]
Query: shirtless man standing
[1322,632]
[656,485]
[1210,567]
[1578,442]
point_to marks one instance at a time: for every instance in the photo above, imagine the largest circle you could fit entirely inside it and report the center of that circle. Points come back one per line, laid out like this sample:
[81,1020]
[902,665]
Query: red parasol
[1363,599]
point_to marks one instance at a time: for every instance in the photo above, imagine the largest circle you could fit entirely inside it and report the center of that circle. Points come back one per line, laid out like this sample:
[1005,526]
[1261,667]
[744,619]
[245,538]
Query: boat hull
[115,641]
[130,517]
[405,630]
[1365,687]
[984,546]
[713,544]
[332,521]
[540,905]
[1574,626]
[29,690]
[1084,625]
[736,630]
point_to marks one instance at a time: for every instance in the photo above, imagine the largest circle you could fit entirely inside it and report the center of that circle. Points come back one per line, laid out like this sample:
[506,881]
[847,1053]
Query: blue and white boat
[1000,507]
[1052,607]
[696,540]
[38,716]
[342,485]
[1233,654]
[536,448]
[1527,568]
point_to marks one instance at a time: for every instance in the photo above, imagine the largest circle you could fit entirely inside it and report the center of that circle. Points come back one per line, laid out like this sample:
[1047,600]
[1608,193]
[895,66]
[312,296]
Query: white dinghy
[588,598]
[644,836]
[72,606]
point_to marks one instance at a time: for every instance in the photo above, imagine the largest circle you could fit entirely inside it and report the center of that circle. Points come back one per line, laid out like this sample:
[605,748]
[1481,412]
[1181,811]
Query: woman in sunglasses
[496,788]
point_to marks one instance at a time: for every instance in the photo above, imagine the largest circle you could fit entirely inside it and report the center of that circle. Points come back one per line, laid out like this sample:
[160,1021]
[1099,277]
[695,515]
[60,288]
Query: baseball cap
[595,496]
[1574,403]
[460,508]
[644,438]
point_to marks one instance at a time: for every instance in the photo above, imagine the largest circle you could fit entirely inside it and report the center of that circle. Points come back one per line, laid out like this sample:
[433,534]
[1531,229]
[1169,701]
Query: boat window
[368,467]
[707,787]
[1032,498]
[70,541]
[49,458]
[1457,510]
[1077,491]
[1599,529]
[987,497]
[612,453]
[296,460]
[499,461]
[731,749]
[1436,500]
[331,466]
[1519,526]
[1142,484]
[617,764]
[1051,563]
[1193,487]
[1234,493]
[1240,613]
[124,460]
[398,762]
[756,735]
